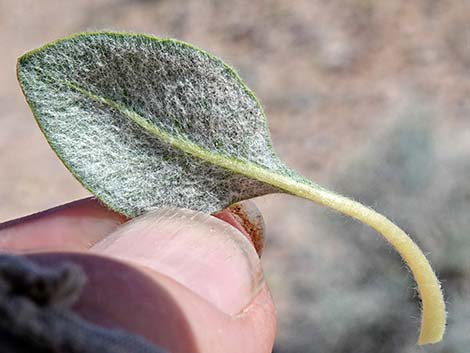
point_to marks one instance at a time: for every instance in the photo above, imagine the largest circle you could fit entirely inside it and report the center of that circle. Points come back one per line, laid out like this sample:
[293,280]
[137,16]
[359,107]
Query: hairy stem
[433,319]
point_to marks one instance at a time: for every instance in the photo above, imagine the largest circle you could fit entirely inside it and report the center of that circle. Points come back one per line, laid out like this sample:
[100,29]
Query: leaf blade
[59,85]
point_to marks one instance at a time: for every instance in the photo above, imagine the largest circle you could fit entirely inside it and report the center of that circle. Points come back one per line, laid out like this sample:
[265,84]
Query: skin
[173,314]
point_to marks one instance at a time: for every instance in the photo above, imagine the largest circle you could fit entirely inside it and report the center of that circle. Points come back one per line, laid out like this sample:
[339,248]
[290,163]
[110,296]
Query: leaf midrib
[230,163]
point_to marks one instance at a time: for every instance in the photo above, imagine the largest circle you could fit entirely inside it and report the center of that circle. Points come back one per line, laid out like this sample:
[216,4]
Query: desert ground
[370,99]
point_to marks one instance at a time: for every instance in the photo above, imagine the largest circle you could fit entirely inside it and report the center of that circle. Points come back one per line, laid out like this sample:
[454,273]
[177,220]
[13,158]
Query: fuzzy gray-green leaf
[83,89]
[144,122]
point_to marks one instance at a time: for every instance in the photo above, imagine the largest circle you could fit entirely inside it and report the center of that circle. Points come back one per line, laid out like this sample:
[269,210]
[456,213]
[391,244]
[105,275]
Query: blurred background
[369,98]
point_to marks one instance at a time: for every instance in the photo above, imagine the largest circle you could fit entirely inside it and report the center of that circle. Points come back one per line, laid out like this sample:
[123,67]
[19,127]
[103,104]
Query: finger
[75,226]
[195,284]
[79,224]
[192,248]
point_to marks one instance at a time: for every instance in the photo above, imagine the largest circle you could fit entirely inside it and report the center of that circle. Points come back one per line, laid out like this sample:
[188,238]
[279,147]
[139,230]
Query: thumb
[207,292]
[206,255]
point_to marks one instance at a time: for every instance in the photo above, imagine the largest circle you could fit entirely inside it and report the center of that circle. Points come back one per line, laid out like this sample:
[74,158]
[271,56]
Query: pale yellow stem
[433,320]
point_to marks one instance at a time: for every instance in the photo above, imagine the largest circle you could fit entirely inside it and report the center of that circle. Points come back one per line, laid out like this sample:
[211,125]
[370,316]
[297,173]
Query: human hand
[187,282]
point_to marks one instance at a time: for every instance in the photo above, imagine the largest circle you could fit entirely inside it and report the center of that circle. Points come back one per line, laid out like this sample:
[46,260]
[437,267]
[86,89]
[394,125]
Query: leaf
[144,122]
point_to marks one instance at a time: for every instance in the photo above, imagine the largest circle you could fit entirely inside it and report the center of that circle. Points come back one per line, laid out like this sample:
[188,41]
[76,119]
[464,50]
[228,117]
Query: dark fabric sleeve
[35,314]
